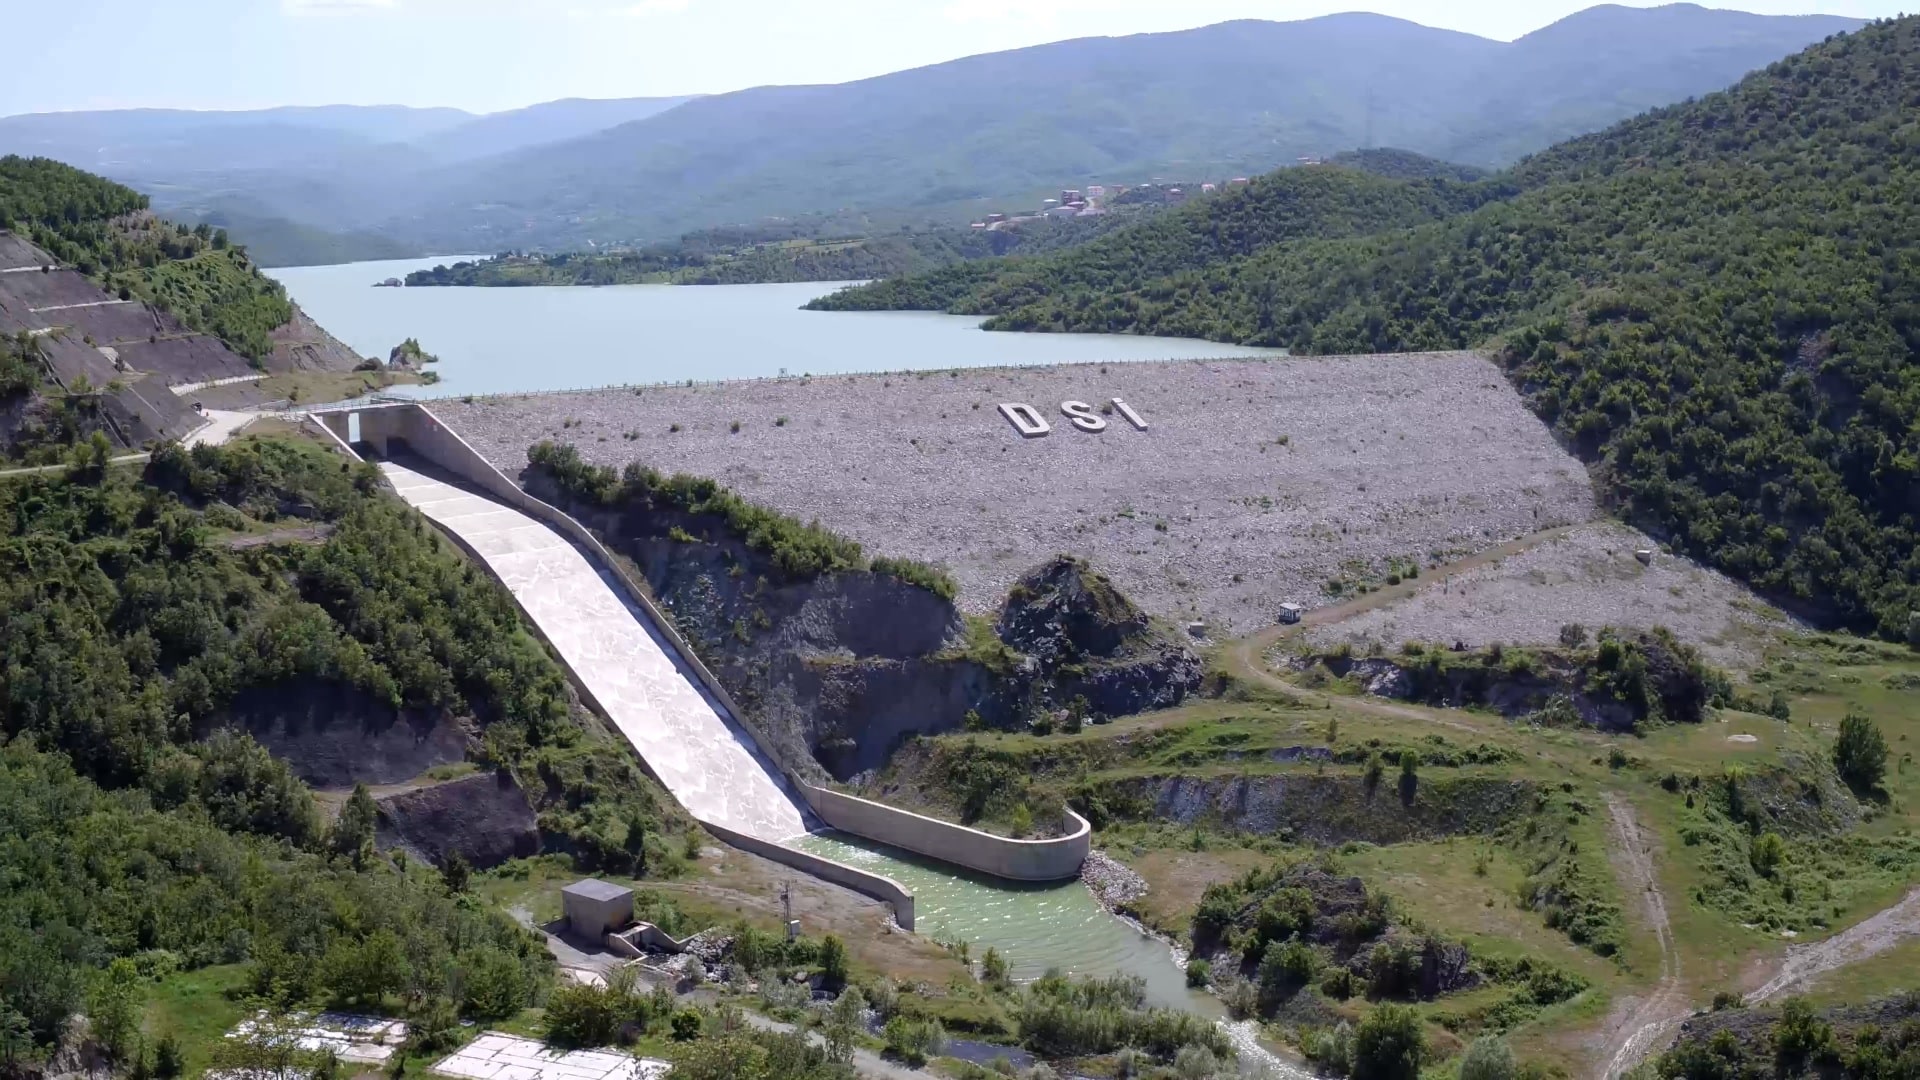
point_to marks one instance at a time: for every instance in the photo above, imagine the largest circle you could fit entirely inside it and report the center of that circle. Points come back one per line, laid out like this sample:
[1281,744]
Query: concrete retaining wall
[1054,859]
[884,889]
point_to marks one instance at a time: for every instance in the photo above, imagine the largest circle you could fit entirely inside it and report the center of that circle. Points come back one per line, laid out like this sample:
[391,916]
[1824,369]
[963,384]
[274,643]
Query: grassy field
[197,1008]
[1471,888]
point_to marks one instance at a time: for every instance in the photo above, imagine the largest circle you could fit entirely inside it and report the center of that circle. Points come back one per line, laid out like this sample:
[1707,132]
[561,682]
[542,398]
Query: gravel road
[1256,481]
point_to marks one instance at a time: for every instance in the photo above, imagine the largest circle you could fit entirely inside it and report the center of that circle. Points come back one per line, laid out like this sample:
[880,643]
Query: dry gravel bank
[1590,577]
[1257,481]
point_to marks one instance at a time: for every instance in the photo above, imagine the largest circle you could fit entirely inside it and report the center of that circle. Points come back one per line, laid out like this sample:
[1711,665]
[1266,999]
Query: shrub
[1489,1058]
[686,1024]
[1769,851]
[833,962]
[1198,972]
[583,1016]
[994,969]
[1801,1036]
[1390,1044]
[1020,821]
[1860,753]
[914,1041]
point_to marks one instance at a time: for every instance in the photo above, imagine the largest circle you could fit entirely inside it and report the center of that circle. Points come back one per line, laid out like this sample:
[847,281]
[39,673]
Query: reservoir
[518,340]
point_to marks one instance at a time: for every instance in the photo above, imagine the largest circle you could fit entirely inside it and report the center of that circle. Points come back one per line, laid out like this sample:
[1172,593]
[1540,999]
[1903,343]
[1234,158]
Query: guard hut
[1289,613]
[594,908]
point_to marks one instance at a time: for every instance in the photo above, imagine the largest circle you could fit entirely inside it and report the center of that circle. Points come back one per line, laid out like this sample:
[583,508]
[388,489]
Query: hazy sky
[485,55]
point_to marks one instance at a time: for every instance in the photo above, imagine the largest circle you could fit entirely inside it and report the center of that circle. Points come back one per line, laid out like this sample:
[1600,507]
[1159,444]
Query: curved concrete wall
[1053,859]
[884,889]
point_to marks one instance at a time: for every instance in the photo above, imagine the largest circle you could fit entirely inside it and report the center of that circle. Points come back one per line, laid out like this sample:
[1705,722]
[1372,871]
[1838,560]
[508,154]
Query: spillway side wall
[1052,859]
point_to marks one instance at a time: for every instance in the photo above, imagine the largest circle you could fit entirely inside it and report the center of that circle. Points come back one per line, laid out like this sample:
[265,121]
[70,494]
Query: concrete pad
[496,1056]
[714,769]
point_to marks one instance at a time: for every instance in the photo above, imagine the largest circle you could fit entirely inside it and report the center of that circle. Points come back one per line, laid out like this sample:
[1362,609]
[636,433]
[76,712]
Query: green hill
[1224,100]
[1292,204]
[1715,302]
[101,229]
[993,132]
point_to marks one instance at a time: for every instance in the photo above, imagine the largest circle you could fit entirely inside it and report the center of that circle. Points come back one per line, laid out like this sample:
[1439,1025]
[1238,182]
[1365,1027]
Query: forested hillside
[1291,204]
[1717,302]
[783,251]
[100,229]
[135,824]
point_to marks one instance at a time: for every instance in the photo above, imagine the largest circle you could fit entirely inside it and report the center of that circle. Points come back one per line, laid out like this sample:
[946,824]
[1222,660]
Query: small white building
[1290,613]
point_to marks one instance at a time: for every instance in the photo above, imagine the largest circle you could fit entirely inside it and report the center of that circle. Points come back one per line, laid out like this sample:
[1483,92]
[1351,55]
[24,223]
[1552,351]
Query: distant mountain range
[940,142]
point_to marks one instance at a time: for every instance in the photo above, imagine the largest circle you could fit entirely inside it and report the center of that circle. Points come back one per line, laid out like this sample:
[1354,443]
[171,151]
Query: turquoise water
[513,340]
[1045,926]
[1038,927]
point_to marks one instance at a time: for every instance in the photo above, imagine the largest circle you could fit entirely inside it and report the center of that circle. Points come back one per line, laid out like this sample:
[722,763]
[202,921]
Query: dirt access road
[1862,941]
[1246,657]
[1654,1017]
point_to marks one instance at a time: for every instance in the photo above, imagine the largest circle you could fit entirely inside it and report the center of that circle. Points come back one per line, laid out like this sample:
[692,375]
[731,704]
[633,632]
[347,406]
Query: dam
[627,660]
[1022,897]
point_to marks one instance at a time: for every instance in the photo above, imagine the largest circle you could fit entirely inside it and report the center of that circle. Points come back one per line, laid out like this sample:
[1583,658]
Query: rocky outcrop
[1803,796]
[838,669]
[484,817]
[1325,810]
[1083,639]
[336,736]
[304,345]
[1624,680]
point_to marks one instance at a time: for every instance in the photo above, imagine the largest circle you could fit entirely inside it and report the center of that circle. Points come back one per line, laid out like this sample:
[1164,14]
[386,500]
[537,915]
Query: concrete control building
[594,908]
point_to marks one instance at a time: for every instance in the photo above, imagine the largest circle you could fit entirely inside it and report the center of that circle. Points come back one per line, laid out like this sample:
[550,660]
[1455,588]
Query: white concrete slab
[498,1056]
[369,1040]
[712,768]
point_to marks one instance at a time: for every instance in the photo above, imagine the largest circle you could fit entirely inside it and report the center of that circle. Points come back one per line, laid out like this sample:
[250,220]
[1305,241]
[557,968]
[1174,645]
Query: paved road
[221,425]
[712,768]
[70,307]
[188,388]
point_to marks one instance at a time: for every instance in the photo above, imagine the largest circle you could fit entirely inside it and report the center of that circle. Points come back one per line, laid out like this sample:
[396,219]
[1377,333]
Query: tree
[1860,753]
[16,1037]
[353,831]
[113,1008]
[845,1022]
[267,1049]
[1389,1044]
[833,962]
[636,845]
[455,873]
[1284,968]
[582,1016]
[167,1063]
[994,969]
[1489,1058]
[494,985]
[1769,851]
